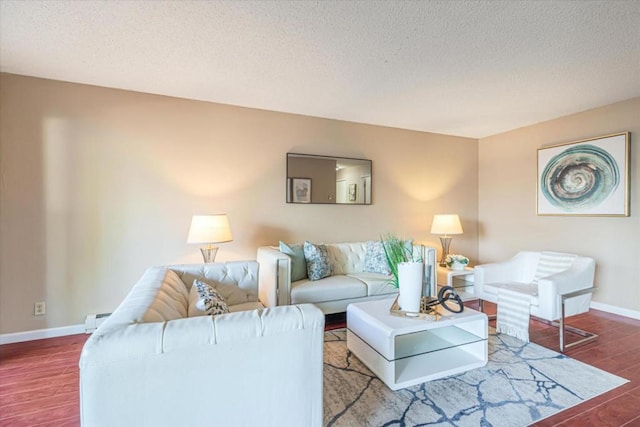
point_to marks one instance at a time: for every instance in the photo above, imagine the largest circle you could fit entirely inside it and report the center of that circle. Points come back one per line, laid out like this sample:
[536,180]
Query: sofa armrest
[274,278]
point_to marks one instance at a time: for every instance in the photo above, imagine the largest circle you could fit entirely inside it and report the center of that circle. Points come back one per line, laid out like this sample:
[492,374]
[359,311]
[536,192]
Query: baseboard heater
[92,322]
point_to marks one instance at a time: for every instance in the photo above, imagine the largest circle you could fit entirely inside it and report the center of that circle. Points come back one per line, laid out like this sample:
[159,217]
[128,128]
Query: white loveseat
[151,365]
[349,282]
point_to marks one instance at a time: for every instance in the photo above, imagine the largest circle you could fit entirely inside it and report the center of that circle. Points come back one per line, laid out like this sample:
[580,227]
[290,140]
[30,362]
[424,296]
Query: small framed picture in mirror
[301,190]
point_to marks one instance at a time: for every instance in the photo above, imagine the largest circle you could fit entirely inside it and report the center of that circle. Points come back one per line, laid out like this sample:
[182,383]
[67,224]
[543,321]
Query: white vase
[410,284]
[457,266]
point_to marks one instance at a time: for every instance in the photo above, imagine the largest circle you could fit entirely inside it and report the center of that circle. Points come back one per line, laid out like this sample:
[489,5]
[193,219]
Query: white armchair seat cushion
[328,289]
[530,289]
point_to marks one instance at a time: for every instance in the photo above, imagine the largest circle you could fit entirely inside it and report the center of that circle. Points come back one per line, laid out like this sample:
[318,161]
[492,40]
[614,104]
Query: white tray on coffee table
[403,352]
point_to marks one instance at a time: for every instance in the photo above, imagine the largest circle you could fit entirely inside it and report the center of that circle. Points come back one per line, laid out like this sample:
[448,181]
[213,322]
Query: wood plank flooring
[39,379]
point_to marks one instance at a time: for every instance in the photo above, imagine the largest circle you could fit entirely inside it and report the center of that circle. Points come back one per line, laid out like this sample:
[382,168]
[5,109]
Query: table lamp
[446,224]
[209,229]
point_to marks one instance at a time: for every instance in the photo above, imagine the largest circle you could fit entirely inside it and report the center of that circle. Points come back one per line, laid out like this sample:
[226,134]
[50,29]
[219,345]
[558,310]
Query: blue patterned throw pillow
[298,263]
[210,300]
[318,263]
[375,260]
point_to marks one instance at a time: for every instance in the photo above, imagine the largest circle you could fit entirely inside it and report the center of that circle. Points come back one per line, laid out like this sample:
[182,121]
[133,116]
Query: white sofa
[149,364]
[348,284]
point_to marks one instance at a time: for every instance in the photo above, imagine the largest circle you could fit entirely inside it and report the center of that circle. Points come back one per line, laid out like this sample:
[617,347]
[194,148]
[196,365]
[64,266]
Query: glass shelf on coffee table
[403,352]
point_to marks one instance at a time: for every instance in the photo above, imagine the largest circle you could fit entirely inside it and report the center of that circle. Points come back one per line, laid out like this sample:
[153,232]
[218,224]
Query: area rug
[521,383]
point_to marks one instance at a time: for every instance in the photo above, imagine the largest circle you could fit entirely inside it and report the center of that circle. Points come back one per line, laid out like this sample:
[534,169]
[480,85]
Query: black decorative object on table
[448,298]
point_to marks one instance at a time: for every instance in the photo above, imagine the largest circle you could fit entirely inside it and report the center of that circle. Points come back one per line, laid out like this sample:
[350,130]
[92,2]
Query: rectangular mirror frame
[314,179]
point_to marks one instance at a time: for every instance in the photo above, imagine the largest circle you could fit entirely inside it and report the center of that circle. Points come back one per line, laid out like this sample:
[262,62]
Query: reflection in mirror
[324,179]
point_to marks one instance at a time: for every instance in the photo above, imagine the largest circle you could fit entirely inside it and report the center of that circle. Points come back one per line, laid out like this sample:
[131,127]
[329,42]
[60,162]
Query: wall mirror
[324,179]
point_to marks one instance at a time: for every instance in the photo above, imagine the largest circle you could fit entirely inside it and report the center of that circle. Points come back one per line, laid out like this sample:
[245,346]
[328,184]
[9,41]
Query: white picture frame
[301,190]
[589,177]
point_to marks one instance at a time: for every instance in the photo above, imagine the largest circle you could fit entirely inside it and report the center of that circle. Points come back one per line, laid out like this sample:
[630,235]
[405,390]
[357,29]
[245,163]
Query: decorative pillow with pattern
[375,260]
[210,300]
[318,263]
[298,263]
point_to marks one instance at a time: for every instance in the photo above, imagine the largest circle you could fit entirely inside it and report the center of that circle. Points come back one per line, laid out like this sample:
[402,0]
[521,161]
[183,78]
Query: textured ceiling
[468,68]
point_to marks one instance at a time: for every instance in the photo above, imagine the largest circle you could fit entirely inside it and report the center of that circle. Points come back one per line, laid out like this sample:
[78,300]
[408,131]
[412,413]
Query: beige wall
[98,184]
[507,208]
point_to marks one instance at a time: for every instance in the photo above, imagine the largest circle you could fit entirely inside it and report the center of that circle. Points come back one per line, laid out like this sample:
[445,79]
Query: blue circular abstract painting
[580,177]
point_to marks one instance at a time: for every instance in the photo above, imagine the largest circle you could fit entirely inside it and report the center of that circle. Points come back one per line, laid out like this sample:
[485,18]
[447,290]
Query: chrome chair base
[563,328]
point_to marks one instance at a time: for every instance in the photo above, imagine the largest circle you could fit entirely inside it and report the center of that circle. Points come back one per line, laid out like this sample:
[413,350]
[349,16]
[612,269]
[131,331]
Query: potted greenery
[407,271]
[456,262]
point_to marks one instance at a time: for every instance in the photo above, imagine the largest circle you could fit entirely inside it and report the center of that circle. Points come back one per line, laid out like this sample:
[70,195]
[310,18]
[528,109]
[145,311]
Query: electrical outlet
[40,308]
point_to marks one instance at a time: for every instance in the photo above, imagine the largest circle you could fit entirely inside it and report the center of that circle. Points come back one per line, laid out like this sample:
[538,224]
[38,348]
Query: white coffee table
[404,352]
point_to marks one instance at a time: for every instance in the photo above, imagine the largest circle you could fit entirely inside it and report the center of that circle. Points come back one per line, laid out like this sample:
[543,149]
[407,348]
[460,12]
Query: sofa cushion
[377,284]
[375,260]
[298,263]
[318,263]
[204,300]
[328,289]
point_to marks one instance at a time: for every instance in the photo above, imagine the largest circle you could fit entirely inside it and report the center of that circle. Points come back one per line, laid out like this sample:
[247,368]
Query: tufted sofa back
[347,258]
[162,293]
[243,274]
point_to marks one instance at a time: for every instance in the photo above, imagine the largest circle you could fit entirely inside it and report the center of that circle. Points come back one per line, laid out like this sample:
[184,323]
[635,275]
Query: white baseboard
[616,310]
[39,334]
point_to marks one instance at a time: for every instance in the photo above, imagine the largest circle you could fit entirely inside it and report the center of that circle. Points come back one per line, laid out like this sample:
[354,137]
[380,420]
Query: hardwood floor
[39,379]
[617,351]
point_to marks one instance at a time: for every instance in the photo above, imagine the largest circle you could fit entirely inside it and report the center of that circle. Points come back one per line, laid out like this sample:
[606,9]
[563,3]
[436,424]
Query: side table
[464,284]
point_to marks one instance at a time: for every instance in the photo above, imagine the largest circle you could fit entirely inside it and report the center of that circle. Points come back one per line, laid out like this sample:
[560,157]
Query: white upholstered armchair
[559,285]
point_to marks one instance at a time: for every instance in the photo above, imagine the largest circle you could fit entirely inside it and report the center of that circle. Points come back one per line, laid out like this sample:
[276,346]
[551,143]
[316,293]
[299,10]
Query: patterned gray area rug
[522,383]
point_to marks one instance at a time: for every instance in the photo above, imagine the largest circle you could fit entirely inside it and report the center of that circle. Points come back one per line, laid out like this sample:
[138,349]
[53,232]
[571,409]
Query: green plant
[397,251]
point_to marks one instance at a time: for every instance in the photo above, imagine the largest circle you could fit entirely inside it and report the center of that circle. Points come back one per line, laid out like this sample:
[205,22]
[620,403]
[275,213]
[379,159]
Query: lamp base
[446,242]
[209,254]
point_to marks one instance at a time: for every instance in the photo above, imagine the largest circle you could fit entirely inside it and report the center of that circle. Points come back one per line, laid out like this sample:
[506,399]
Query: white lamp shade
[209,229]
[446,224]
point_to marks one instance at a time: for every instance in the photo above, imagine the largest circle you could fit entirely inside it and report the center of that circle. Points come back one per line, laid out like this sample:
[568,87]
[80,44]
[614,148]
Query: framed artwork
[352,192]
[301,190]
[585,178]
